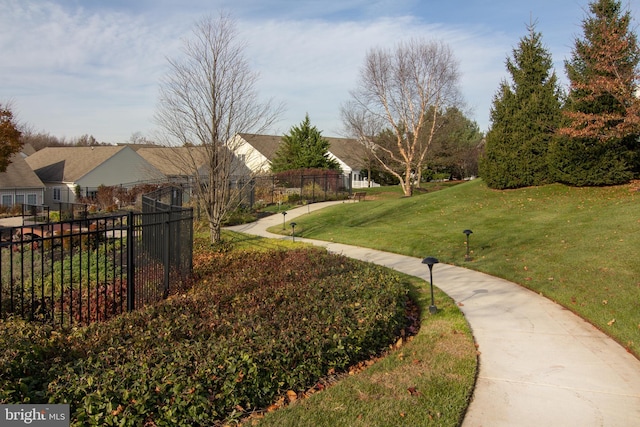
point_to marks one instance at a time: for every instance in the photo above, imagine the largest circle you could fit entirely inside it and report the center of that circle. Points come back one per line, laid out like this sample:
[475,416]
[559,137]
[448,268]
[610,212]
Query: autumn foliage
[599,144]
[10,142]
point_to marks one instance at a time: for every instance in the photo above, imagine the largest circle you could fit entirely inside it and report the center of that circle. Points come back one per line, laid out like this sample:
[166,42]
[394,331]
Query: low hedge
[254,327]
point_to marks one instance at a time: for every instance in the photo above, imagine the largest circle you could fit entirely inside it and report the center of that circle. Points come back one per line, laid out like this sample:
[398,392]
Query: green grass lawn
[577,246]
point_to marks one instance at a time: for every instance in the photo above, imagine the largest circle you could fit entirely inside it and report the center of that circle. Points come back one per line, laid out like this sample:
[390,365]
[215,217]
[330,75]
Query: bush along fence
[88,270]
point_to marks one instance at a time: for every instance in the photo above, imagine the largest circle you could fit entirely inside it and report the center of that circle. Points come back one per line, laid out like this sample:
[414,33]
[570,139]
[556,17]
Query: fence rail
[88,270]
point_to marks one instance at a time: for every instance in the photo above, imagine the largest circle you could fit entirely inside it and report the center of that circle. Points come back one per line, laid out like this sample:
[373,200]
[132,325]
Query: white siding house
[257,151]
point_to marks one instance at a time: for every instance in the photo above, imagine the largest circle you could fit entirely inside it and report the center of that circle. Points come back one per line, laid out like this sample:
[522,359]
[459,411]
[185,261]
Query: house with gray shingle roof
[257,151]
[19,184]
[176,163]
[180,164]
[65,169]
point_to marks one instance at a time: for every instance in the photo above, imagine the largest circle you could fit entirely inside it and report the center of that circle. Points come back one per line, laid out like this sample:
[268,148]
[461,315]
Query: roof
[174,161]
[348,150]
[27,150]
[267,145]
[69,164]
[19,175]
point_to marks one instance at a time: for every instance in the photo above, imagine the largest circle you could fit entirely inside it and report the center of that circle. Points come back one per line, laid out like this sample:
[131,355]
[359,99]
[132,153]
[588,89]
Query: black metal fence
[35,213]
[88,270]
[294,187]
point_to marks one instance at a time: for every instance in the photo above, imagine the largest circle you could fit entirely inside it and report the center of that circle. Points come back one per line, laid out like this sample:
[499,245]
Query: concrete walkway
[540,365]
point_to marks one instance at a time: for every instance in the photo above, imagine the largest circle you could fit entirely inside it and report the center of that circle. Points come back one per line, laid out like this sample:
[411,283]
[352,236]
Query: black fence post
[131,270]
[167,250]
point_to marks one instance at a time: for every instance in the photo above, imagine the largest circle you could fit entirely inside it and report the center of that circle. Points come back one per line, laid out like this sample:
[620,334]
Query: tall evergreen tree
[303,148]
[524,116]
[599,143]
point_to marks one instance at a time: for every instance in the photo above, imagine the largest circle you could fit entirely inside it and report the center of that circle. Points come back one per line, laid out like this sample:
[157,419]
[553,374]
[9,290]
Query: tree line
[588,136]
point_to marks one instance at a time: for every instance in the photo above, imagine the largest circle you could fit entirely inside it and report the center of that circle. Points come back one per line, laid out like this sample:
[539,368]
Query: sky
[93,67]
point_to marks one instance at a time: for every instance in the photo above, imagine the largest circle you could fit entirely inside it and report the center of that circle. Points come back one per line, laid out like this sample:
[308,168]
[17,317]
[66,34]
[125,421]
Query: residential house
[352,158]
[19,184]
[257,151]
[180,164]
[177,164]
[67,171]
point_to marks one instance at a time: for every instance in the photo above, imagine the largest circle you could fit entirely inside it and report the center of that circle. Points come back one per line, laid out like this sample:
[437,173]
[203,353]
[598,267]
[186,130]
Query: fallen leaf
[413,391]
[460,304]
[605,302]
[279,404]
[292,395]
[611,322]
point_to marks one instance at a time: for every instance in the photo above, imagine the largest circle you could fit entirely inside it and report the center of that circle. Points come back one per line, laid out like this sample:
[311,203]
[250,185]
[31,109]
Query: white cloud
[76,71]
[314,64]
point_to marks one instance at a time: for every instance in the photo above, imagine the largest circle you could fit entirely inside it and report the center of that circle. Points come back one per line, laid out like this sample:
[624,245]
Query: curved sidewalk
[540,365]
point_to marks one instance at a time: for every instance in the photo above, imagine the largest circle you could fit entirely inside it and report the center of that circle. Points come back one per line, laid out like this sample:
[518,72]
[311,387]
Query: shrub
[257,325]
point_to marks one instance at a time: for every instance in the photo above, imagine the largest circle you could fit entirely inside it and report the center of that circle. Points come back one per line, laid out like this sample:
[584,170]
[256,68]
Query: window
[56,193]
[7,200]
[19,199]
[32,199]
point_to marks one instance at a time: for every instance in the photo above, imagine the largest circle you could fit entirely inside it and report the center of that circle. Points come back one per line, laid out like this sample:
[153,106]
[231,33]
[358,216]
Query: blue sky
[74,67]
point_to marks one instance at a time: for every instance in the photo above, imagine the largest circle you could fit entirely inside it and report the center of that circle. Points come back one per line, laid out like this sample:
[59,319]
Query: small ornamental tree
[524,116]
[10,142]
[399,90]
[303,148]
[599,143]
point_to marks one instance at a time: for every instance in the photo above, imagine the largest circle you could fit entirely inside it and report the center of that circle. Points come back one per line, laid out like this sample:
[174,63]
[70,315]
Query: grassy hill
[576,246]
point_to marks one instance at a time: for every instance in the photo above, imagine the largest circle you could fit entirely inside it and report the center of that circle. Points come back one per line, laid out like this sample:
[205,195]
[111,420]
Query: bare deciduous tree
[398,90]
[208,97]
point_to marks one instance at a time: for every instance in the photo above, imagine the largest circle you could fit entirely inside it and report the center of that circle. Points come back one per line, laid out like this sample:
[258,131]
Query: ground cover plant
[427,381]
[577,246]
[258,324]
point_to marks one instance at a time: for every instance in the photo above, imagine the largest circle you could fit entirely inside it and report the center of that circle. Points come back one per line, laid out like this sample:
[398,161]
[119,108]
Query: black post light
[430,261]
[284,214]
[467,232]
[293,231]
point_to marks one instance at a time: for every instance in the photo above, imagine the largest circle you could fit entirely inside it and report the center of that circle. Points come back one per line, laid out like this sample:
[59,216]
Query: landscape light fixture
[430,261]
[467,232]
[284,214]
[293,231]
